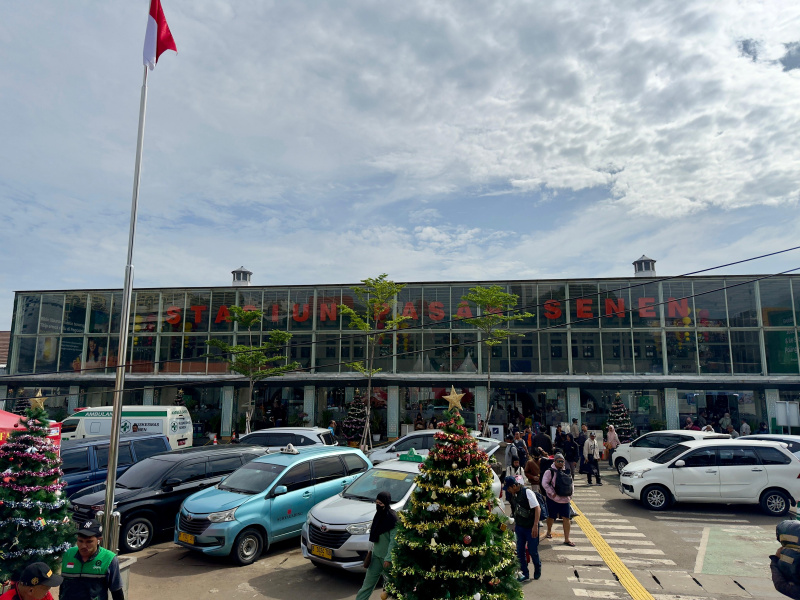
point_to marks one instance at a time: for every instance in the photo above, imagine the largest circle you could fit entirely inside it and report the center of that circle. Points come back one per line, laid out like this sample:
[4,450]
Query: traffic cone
[214,443]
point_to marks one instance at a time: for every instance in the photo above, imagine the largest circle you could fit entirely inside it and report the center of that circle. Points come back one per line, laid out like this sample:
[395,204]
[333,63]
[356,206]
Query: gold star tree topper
[454,399]
[37,402]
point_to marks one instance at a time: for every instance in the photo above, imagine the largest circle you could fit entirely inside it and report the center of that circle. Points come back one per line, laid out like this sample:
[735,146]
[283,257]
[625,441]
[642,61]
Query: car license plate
[185,537]
[322,552]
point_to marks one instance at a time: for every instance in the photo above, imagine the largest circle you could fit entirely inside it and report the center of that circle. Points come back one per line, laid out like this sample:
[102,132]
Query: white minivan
[173,421]
[718,471]
[654,442]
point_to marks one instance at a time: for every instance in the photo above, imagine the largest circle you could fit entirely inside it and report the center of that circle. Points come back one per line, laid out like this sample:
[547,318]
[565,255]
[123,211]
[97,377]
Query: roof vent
[644,267]
[241,276]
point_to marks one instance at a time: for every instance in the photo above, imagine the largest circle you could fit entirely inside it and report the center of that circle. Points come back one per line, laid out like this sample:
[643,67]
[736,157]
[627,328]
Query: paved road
[686,553]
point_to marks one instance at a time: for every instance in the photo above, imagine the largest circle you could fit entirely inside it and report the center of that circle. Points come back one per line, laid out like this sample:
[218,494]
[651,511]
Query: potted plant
[376,426]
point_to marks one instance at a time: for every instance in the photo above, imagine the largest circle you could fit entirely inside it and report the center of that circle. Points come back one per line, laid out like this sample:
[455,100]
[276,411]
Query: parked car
[265,501]
[149,494]
[792,441]
[422,441]
[336,530]
[85,462]
[654,442]
[276,438]
[717,470]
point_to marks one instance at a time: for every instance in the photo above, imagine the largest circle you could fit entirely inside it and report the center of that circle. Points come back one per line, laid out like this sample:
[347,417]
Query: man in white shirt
[745,428]
[591,456]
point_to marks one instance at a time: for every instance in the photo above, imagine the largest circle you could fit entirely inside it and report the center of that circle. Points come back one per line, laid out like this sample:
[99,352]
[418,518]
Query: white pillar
[671,408]
[772,397]
[481,404]
[573,404]
[147,395]
[3,396]
[393,411]
[227,411]
[73,399]
[310,404]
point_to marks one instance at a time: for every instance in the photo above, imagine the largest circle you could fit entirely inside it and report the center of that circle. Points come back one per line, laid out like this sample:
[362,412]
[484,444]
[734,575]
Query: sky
[326,142]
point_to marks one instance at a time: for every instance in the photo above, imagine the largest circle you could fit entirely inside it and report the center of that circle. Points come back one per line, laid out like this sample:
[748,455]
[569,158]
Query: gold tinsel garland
[436,574]
[436,525]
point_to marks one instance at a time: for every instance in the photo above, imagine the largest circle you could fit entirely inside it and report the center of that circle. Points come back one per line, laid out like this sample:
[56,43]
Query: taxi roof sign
[411,456]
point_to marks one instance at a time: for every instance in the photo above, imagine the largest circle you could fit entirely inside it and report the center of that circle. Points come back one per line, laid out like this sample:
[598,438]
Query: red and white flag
[158,37]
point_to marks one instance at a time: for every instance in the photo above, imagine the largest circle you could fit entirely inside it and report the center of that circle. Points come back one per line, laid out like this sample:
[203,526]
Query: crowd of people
[722,424]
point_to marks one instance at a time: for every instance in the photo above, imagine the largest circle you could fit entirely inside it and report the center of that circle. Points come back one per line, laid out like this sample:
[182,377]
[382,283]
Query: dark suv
[150,493]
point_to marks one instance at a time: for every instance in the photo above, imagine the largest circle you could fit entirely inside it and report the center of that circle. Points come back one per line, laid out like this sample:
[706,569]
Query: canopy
[9,422]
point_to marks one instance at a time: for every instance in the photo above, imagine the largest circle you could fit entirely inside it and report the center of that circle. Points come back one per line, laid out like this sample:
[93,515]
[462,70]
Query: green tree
[379,295]
[254,362]
[34,518]
[497,311]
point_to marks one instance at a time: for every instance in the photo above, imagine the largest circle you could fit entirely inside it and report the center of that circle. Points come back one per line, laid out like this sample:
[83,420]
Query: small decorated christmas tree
[34,525]
[449,543]
[353,423]
[618,417]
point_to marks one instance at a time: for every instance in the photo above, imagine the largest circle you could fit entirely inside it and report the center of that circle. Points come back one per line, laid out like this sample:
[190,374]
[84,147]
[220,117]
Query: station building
[672,347]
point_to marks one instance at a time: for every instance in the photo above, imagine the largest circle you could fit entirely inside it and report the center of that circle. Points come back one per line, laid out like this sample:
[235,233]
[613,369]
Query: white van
[173,421]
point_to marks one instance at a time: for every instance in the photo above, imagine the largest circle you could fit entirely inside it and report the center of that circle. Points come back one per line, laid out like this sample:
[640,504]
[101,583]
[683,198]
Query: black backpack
[522,451]
[562,482]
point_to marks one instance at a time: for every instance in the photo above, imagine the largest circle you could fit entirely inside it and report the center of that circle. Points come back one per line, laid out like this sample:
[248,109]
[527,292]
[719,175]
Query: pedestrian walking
[745,428]
[515,470]
[89,570]
[532,470]
[612,441]
[511,450]
[33,583]
[526,510]
[574,429]
[381,534]
[543,441]
[591,456]
[559,495]
[572,453]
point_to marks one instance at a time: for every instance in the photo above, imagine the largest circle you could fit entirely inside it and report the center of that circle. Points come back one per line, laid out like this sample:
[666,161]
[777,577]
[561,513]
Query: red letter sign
[678,308]
[646,307]
[617,309]
[198,313]
[552,309]
[584,308]
[436,311]
[173,315]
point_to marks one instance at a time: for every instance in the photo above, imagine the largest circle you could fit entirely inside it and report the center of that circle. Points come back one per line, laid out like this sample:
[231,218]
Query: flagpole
[110,534]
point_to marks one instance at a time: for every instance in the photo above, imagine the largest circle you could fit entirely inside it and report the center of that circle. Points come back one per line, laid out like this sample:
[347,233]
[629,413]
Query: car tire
[620,464]
[656,497]
[775,503]
[247,547]
[136,534]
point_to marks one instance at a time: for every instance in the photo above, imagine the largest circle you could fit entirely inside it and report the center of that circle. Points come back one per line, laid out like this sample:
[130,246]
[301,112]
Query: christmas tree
[34,525]
[618,417]
[449,543]
[353,423]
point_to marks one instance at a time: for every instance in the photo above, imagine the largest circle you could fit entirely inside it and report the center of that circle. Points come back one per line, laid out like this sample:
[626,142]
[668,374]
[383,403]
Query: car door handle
[345,482]
[756,469]
[711,471]
[306,494]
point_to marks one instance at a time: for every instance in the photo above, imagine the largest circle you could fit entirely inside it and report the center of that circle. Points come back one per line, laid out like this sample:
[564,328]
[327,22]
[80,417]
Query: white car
[336,532]
[792,441]
[422,441]
[718,470]
[276,438]
[654,442]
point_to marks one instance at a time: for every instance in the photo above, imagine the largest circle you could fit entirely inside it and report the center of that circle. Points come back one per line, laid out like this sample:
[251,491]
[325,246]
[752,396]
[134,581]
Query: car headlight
[222,517]
[359,528]
[635,474]
[308,518]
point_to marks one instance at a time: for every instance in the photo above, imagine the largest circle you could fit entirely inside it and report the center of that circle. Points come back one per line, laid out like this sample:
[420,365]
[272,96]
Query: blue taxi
[266,500]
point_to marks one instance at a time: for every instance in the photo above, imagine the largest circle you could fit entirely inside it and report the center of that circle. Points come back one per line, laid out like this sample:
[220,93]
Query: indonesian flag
[158,37]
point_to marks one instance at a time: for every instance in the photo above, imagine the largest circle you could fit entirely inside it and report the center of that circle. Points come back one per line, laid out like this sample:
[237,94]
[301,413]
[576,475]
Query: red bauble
[467,540]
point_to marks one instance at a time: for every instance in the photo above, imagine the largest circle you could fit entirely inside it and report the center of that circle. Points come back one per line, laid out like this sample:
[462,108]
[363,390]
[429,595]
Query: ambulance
[173,421]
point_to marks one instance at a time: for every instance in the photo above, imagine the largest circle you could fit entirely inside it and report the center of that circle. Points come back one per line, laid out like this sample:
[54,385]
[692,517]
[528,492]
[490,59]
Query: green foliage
[453,499]
[43,530]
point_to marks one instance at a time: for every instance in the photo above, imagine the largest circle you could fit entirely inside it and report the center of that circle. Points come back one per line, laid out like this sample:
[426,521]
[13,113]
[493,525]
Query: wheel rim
[137,535]
[248,547]
[656,498]
[621,464]
[776,503]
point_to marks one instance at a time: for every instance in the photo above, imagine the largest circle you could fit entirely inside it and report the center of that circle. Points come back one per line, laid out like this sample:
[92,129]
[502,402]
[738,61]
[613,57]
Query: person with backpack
[526,510]
[557,483]
[572,453]
[515,470]
[522,449]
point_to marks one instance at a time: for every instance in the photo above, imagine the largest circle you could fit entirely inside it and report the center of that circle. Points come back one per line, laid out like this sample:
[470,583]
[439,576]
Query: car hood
[213,500]
[344,511]
[94,496]
[638,465]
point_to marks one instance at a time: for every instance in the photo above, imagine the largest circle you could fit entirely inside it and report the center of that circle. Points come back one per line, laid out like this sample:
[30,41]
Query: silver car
[336,532]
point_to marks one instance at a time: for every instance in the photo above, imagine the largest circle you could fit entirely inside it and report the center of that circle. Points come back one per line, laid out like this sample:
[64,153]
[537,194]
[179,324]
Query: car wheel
[136,534]
[656,497]
[620,463]
[775,503]
[247,547]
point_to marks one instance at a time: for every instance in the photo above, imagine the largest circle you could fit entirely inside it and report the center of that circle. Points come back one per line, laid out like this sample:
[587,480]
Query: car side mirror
[679,463]
[170,483]
[391,449]
[280,490]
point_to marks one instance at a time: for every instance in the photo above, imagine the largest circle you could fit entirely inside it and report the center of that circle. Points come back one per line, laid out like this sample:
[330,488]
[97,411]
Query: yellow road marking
[623,573]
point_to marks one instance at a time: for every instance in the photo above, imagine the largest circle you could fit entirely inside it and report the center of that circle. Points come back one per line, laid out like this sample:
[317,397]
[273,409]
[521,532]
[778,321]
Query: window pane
[75,461]
[123,458]
[298,477]
[615,304]
[194,347]
[326,469]
[300,350]
[746,352]
[147,448]
[170,354]
[772,456]
[527,300]
[100,315]
[224,464]
[499,354]
[188,472]
[354,464]
[146,312]
[781,351]
[198,311]
[524,353]
[554,353]
[75,313]
[250,299]
[51,313]
[28,309]
[709,302]
[216,362]
[583,306]
[172,307]
[460,309]
[27,353]
[737,457]
[71,349]
[327,355]
[715,354]
[409,304]
[46,354]
[276,309]
[742,303]
[644,301]
[585,352]
[409,352]
[302,306]
[679,305]
[552,307]
[617,352]
[143,354]
[702,458]
[682,352]
[220,312]
[328,301]
[776,302]
[436,305]
[647,352]
[464,352]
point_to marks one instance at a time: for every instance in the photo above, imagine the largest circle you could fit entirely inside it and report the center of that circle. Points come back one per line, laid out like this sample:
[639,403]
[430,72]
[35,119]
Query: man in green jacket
[90,571]
[381,534]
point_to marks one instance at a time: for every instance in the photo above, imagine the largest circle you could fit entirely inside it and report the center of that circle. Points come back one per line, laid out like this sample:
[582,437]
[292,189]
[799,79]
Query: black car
[150,493]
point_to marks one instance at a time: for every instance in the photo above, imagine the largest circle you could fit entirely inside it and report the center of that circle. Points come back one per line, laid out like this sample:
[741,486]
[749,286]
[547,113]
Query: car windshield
[668,454]
[370,484]
[144,473]
[253,478]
